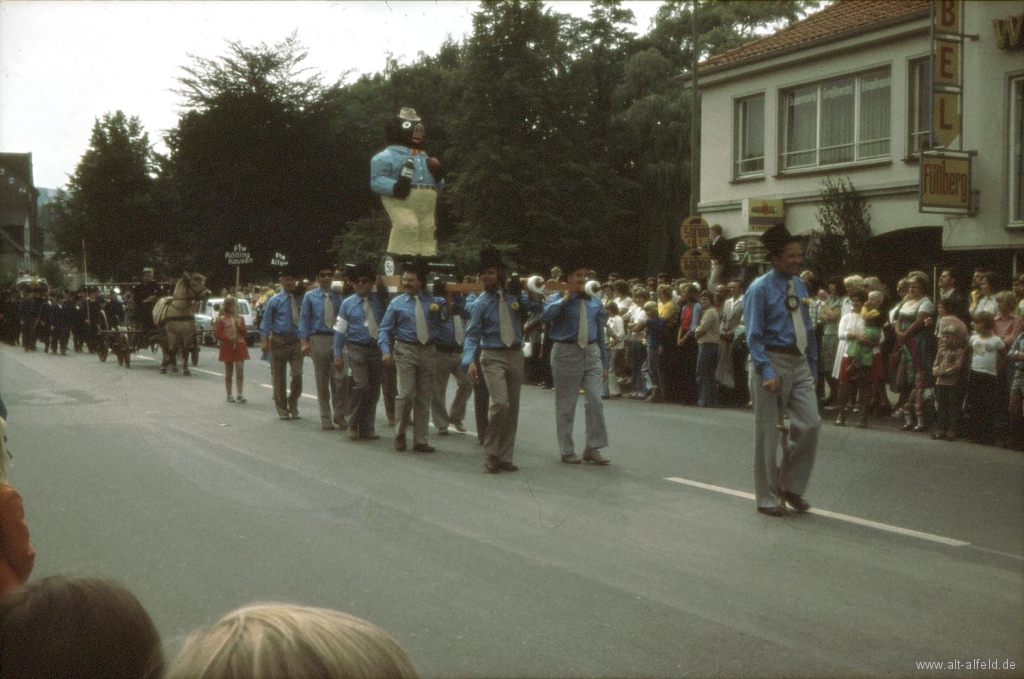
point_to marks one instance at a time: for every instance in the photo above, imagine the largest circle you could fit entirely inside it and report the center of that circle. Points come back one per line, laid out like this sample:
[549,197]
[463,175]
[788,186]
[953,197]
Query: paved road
[655,566]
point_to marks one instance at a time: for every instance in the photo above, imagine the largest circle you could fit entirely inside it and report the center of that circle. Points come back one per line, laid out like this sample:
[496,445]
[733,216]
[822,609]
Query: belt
[326,332]
[414,344]
[515,347]
[449,348]
[365,345]
[423,186]
[790,350]
[572,341]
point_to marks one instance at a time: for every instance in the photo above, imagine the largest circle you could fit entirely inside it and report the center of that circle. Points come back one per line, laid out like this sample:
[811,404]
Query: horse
[175,316]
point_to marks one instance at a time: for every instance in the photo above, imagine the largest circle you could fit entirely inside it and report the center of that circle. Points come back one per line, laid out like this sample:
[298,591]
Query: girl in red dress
[231,332]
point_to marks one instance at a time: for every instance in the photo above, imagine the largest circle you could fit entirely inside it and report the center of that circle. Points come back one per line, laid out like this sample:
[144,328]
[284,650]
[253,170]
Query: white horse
[175,316]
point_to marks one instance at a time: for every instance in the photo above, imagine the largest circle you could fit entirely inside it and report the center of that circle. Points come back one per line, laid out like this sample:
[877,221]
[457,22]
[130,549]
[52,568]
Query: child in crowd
[988,353]
[948,371]
[279,640]
[16,554]
[615,336]
[64,626]
[1015,376]
[231,332]
[655,327]
[864,369]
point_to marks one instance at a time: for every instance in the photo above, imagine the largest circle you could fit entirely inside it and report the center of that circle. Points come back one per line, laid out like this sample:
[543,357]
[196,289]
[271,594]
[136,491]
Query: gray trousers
[800,401]
[503,374]
[285,354]
[573,368]
[367,369]
[449,365]
[331,384]
[414,365]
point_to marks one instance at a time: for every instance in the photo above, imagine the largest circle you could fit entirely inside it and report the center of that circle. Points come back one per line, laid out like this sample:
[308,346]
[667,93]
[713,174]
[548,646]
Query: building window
[919,108]
[1016,172]
[835,122]
[750,136]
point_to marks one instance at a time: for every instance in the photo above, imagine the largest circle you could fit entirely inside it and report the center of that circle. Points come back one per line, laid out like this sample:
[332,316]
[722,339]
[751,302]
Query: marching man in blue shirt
[406,338]
[784,354]
[579,359]
[316,330]
[357,330]
[495,325]
[279,334]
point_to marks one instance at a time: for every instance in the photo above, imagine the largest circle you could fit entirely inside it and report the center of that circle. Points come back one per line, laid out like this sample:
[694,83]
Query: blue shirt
[386,165]
[311,313]
[563,320]
[277,316]
[484,328]
[399,321]
[655,331]
[770,323]
[351,325]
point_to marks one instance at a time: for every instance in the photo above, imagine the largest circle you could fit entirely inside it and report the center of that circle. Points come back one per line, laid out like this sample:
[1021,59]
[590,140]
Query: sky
[64,64]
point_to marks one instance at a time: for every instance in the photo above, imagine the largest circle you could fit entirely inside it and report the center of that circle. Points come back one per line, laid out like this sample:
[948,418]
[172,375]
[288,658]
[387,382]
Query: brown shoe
[593,456]
[369,437]
[327,426]
[400,444]
[772,511]
[353,432]
[423,448]
[571,458]
[507,467]
[340,422]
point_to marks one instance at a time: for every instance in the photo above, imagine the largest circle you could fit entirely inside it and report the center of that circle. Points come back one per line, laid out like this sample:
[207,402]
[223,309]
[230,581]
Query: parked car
[206,318]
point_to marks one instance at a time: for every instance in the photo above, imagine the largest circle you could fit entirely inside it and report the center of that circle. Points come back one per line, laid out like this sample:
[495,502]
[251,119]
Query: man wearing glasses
[355,333]
[316,330]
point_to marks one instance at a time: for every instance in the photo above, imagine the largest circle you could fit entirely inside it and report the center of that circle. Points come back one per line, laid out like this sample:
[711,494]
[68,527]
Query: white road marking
[833,515]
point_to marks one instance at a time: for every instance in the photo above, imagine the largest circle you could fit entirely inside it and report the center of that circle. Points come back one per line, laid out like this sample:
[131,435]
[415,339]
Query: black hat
[576,260]
[363,270]
[491,257]
[288,270]
[776,238]
[418,266]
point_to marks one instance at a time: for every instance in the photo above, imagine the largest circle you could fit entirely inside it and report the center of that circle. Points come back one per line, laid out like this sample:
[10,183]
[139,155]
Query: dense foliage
[559,135]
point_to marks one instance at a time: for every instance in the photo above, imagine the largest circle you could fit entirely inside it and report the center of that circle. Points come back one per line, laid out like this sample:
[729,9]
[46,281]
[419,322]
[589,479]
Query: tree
[846,226]
[108,200]
[257,158]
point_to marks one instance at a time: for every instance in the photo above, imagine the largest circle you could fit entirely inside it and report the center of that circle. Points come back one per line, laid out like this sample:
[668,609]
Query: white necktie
[459,332]
[798,320]
[371,322]
[582,335]
[508,336]
[328,311]
[295,310]
[422,334]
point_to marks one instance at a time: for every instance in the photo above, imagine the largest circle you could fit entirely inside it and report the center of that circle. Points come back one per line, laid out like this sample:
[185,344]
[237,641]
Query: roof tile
[837,18]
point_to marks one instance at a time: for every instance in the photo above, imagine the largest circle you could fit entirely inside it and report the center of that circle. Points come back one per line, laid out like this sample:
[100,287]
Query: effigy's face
[413,132]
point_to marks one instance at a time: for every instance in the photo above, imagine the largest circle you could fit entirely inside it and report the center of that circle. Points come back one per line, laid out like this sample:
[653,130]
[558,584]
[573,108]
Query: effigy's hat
[289,270]
[776,238]
[363,270]
[418,266]
[491,257]
[409,114]
[576,260]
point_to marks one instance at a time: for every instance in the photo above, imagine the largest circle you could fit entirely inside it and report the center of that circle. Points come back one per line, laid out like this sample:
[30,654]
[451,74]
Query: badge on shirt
[792,302]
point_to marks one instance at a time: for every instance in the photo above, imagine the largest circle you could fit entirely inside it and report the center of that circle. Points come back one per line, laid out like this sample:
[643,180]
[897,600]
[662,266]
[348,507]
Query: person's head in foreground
[277,641]
[69,627]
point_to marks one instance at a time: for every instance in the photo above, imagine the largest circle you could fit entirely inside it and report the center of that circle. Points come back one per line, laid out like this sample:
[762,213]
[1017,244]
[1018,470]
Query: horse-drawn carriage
[172,329]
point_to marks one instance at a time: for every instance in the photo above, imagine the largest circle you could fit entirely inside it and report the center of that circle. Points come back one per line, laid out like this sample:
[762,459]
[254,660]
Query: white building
[847,93]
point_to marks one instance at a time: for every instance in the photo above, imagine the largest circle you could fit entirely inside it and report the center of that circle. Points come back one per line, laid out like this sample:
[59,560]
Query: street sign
[279,260]
[238,255]
[695,264]
[945,183]
[695,231]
